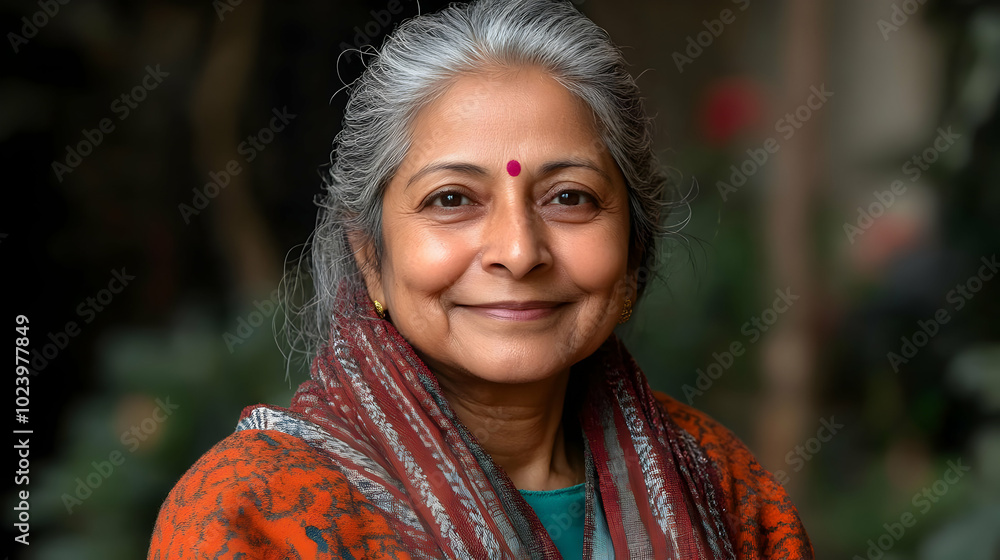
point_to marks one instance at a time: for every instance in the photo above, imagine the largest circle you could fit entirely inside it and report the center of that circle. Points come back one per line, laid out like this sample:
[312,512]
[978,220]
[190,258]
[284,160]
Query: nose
[514,239]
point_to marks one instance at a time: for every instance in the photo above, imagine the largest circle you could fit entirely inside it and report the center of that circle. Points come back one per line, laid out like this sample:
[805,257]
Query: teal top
[563,513]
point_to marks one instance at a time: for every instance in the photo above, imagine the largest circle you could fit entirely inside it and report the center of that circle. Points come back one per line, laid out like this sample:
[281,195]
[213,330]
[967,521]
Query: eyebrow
[466,168]
[479,171]
[574,162]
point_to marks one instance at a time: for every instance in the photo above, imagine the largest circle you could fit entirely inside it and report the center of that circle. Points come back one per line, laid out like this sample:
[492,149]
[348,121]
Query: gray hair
[416,64]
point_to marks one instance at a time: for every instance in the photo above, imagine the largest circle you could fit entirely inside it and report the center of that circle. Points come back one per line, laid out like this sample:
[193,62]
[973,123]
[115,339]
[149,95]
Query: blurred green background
[873,211]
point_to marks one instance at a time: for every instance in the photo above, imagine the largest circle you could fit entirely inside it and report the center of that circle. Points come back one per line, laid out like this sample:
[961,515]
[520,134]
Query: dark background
[195,327]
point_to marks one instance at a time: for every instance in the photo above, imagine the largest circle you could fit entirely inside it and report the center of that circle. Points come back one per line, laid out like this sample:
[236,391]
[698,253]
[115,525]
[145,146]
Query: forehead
[521,113]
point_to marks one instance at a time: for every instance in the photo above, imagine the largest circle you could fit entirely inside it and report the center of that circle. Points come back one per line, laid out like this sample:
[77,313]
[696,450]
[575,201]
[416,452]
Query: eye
[449,200]
[572,198]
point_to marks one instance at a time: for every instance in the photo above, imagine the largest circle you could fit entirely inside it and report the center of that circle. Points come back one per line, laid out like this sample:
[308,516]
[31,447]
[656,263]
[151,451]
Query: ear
[633,283]
[634,265]
[365,256]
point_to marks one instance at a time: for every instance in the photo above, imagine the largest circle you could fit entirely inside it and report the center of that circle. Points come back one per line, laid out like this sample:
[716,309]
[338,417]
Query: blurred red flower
[729,106]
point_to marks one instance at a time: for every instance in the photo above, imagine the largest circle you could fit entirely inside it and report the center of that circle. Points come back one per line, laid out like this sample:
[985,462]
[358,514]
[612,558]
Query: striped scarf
[379,413]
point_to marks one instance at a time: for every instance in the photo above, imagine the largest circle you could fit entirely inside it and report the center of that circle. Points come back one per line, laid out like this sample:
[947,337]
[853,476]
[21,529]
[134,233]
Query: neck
[521,427]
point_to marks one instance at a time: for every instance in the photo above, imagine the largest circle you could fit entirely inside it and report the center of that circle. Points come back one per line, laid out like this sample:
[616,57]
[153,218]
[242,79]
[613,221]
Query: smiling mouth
[516,310]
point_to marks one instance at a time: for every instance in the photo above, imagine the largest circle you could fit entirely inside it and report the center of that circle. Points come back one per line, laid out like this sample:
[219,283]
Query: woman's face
[506,232]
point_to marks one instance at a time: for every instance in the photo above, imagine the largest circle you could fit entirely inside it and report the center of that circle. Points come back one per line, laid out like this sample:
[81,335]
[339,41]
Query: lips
[515,310]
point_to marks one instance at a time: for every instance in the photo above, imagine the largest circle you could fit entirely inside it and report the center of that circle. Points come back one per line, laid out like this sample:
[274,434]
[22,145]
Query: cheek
[422,262]
[597,262]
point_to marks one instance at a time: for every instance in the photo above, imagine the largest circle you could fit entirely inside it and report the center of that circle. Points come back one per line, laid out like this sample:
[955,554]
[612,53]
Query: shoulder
[265,493]
[248,461]
[758,507]
[719,443]
[736,466]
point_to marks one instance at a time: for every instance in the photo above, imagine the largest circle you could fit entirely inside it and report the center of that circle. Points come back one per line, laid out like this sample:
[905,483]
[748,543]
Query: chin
[510,376]
[518,363]
[507,358]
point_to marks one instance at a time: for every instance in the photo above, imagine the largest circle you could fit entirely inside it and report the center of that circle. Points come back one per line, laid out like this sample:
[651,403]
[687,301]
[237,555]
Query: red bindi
[514,168]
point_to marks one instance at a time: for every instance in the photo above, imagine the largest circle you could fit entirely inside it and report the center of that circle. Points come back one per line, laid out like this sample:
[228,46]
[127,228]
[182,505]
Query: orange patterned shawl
[369,461]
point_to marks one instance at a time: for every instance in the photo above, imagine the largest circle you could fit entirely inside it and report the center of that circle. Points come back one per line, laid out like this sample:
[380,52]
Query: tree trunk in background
[787,416]
[240,229]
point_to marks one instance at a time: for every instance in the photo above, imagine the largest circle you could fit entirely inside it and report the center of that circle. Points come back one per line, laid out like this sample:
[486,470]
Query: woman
[491,211]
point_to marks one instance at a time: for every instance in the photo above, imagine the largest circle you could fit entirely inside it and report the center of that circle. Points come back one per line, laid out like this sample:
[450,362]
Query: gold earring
[379,309]
[626,312]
